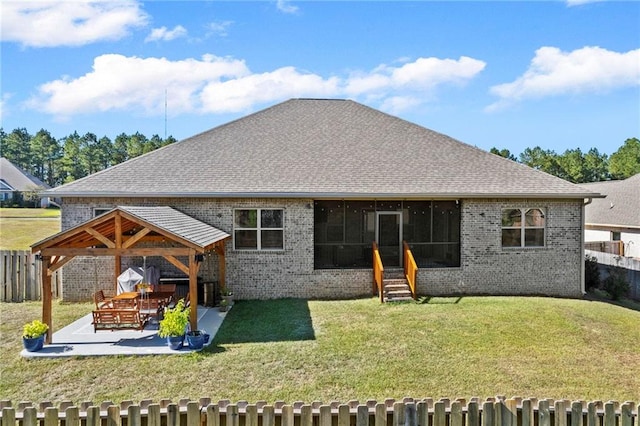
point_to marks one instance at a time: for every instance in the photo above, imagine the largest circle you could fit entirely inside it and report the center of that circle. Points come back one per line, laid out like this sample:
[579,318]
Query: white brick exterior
[486,268]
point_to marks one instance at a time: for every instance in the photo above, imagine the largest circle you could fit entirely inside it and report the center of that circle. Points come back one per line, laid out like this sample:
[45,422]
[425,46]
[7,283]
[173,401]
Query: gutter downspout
[582,272]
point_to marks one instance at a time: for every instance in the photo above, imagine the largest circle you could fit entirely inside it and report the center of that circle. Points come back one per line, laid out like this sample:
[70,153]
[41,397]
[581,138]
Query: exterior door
[389,237]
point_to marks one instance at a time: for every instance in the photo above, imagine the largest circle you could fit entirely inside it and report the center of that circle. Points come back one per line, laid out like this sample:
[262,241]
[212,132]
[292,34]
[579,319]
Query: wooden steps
[396,288]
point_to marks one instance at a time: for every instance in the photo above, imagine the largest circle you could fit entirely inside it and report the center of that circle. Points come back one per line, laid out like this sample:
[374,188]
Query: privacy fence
[628,265]
[21,277]
[408,412]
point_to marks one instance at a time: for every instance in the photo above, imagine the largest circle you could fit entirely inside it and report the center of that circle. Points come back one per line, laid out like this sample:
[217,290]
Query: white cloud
[162,34]
[219,28]
[285,7]
[586,70]
[571,3]
[68,23]
[242,93]
[130,83]
[218,85]
[401,86]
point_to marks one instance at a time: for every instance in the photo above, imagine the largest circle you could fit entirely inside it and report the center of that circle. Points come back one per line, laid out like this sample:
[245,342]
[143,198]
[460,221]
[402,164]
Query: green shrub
[616,284]
[591,273]
[175,321]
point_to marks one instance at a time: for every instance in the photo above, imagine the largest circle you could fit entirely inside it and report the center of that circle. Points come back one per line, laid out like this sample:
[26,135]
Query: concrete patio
[78,339]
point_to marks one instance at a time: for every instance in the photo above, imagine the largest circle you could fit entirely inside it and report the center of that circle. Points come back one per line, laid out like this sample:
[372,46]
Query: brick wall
[486,268]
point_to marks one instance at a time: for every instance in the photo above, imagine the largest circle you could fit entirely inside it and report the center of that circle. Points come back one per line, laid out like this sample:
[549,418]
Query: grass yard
[357,349]
[19,228]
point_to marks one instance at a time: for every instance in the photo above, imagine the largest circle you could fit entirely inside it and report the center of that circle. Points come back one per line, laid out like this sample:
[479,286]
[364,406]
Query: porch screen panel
[344,231]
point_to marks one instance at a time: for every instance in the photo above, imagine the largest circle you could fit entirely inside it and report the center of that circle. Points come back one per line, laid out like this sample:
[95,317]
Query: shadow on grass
[440,300]
[596,296]
[261,321]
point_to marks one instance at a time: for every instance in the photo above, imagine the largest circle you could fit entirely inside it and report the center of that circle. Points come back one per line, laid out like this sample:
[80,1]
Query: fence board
[629,265]
[21,277]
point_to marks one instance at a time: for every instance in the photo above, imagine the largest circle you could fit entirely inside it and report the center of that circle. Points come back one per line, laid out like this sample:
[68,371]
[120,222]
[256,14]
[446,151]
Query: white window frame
[99,211]
[523,227]
[258,229]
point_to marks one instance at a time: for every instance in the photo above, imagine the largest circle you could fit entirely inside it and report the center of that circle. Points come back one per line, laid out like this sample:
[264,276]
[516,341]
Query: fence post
[134,417]
[626,414]
[268,416]
[455,416]
[153,415]
[560,413]
[544,416]
[325,415]
[439,414]
[72,416]
[93,416]
[213,416]
[344,416]
[306,416]
[362,416]
[609,414]
[113,415]
[51,416]
[411,416]
[576,413]
[30,416]
[398,414]
[8,416]
[287,415]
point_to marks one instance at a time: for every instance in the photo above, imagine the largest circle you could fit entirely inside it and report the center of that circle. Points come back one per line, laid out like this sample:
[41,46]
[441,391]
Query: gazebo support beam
[221,265]
[46,297]
[193,290]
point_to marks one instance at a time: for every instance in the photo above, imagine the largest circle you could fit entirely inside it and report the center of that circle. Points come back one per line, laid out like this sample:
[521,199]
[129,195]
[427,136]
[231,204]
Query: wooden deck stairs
[396,287]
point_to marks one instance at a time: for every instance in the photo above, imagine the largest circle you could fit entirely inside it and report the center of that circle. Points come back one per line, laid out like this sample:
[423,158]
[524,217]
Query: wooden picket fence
[408,412]
[21,277]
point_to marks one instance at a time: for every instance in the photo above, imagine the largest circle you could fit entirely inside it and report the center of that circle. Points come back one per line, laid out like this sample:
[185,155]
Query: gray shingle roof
[620,208]
[321,148]
[178,223]
[17,178]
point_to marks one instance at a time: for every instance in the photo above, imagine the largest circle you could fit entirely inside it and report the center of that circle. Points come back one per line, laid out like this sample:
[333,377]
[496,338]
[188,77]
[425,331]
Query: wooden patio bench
[119,319]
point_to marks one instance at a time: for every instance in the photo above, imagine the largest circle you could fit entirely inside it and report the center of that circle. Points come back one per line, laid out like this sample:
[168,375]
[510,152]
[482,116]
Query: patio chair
[101,301]
[124,303]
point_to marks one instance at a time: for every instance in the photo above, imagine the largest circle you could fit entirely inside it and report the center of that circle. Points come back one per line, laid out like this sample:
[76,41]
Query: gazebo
[134,231]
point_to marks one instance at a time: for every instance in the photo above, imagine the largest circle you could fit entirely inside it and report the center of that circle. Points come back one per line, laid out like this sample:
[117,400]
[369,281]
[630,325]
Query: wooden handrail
[410,268]
[378,273]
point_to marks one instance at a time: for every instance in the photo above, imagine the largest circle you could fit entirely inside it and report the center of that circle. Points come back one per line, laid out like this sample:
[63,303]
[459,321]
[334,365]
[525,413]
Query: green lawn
[358,349]
[19,228]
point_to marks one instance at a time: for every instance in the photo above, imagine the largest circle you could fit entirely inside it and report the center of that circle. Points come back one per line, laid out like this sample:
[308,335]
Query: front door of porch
[389,237]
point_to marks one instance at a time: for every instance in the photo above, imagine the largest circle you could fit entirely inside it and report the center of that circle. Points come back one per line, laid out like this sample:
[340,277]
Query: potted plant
[227,295]
[33,335]
[174,324]
[196,339]
[224,305]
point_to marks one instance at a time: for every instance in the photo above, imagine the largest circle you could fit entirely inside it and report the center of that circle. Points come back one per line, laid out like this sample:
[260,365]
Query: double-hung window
[523,227]
[258,229]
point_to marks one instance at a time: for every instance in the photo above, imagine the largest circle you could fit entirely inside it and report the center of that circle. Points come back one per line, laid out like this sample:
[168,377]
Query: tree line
[578,167]
[57,161]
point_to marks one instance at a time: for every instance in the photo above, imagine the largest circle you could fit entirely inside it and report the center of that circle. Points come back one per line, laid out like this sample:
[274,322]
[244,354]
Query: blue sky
[555,74]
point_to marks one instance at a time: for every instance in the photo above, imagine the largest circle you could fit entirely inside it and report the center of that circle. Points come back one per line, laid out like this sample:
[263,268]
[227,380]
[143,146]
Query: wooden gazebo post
[46,296]
[193,289]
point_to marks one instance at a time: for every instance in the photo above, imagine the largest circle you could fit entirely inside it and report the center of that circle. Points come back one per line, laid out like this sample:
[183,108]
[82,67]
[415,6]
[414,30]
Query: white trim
[523,227]
[398,214]
[258,230]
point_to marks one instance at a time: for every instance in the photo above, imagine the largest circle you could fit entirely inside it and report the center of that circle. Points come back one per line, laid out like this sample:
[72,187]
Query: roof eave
[323,195]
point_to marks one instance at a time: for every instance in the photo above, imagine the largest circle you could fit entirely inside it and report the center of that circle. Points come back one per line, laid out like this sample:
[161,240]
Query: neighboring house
[616,217]
[305,187]
[15,183]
